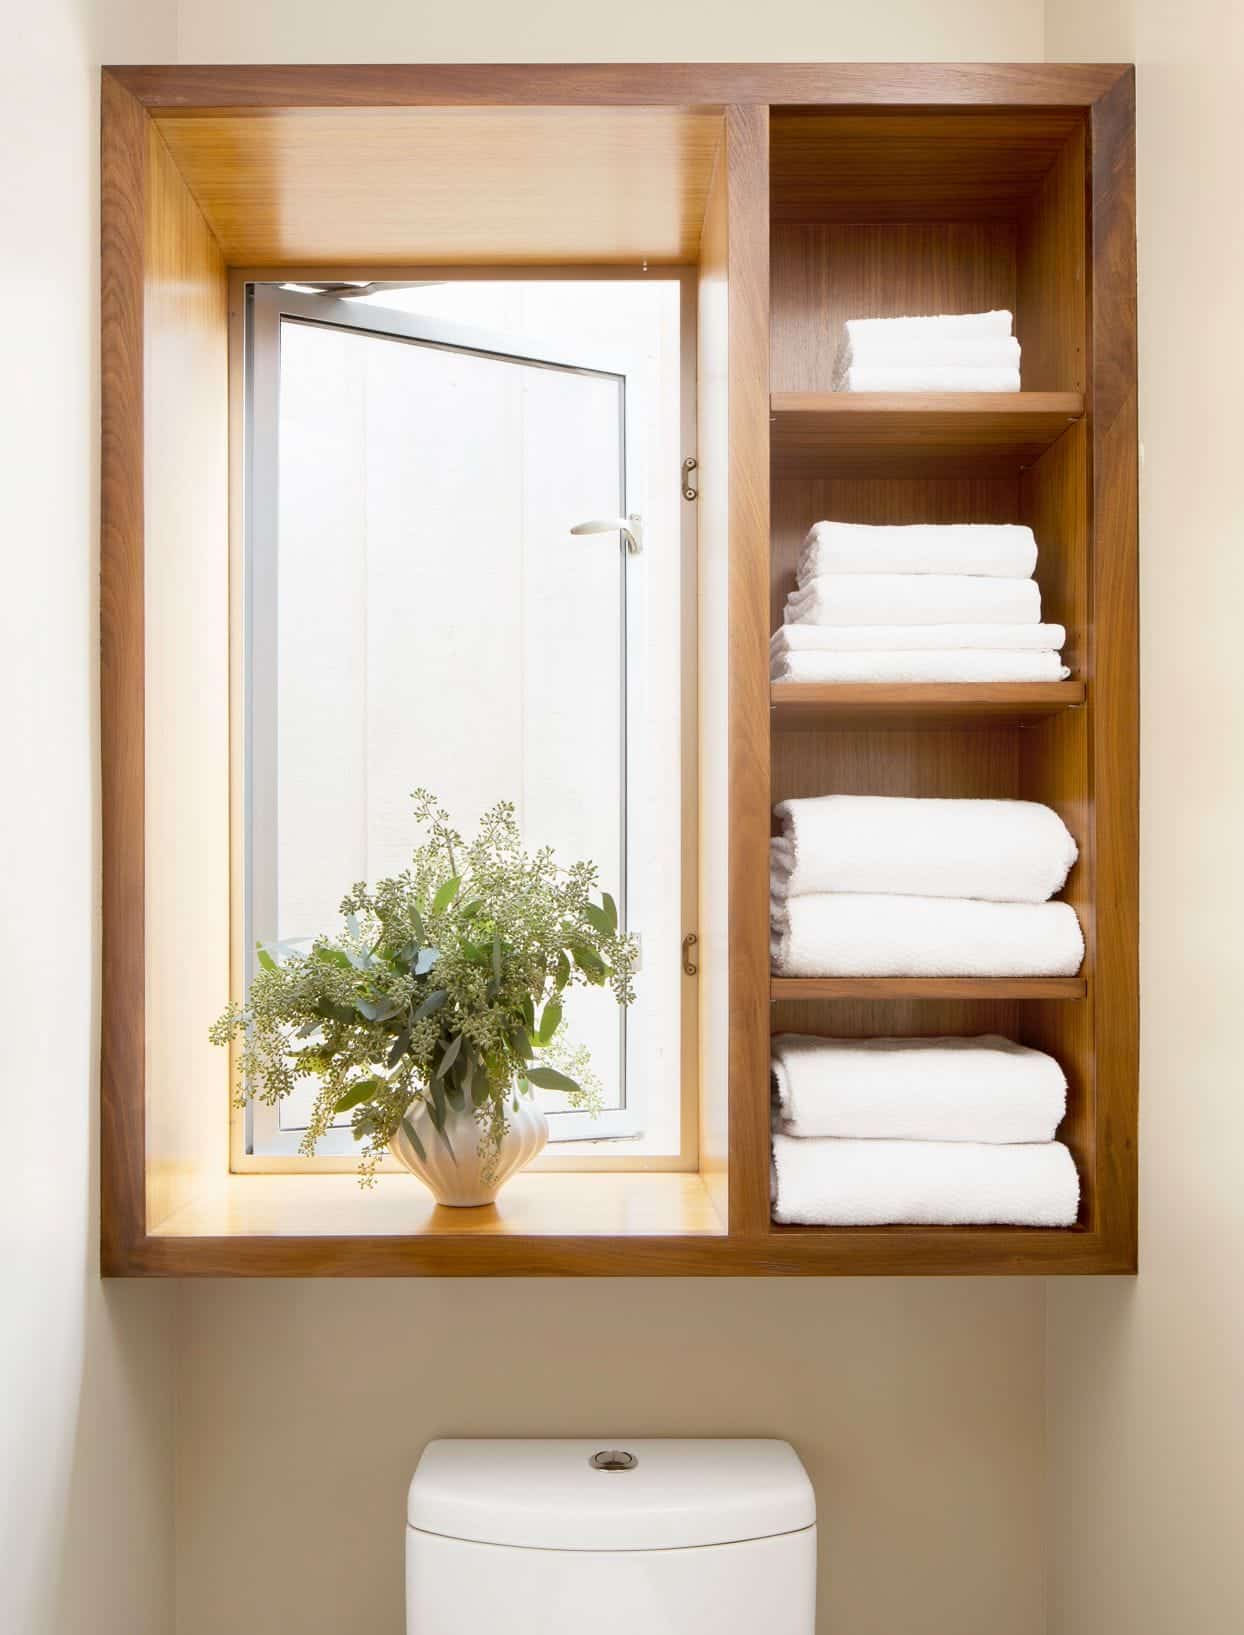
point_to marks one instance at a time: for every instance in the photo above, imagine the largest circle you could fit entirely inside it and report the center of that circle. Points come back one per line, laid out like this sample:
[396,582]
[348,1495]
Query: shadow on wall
[916,1406]
[113,1569]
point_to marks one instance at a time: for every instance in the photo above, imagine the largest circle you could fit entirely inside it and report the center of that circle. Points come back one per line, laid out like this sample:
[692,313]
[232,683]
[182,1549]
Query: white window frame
[258,307]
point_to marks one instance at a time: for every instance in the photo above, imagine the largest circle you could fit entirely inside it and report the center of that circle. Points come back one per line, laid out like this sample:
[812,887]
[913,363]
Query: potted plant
[437,1009]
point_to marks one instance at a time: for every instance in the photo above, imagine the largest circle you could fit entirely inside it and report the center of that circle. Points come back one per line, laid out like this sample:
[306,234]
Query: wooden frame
[722,1225]
[579,1162]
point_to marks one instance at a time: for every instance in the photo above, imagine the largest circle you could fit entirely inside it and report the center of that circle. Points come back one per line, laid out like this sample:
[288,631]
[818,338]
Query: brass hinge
[689,491]
[688,943]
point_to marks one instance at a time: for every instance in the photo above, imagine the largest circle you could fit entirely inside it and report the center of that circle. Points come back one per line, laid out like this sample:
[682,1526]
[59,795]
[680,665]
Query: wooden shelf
[915,433]
[615,1205]
[799,706]
[784,988]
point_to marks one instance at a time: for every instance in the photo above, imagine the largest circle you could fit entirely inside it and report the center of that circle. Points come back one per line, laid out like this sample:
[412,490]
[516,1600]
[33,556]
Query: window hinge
[689,490]
[688,943]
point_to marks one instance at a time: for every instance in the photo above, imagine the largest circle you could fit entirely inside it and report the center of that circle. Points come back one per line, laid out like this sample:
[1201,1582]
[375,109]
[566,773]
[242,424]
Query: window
[418,613]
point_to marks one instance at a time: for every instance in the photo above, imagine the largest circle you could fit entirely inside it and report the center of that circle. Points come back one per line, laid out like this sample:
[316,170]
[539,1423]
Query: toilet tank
[640,1537]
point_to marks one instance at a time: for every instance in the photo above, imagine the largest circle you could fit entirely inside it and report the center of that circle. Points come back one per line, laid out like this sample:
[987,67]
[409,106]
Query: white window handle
[631,528]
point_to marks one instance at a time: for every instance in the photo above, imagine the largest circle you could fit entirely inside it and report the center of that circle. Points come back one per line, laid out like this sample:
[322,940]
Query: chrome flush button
[613,1459]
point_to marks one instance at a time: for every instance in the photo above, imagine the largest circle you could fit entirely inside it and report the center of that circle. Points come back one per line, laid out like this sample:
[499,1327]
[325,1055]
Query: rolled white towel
[951,665]
[913,598]
[939,1089]
[927,377]
[997,550]
[868,934]
[906,638]
[923,1183]
[911,333]
[1004,851]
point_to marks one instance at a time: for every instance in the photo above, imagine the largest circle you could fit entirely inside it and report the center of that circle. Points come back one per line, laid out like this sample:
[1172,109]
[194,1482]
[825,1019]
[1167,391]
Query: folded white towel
[923,1183]
[951,665]
[998,550]
[911,333]
[1006,851]
[865,934]
[926,377]
[907,638]
[913,598]
[884,349]
[942,1089]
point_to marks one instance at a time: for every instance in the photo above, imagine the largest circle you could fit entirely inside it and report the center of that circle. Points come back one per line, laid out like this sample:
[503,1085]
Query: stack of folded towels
[961,352]
[873,885]
[924,602]
[870,1132]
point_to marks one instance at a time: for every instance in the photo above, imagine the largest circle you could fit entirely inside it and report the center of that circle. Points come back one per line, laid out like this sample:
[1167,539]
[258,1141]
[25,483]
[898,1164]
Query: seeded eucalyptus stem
[444,989]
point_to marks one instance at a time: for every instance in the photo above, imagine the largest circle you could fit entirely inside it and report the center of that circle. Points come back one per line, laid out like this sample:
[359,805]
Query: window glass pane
[436,624]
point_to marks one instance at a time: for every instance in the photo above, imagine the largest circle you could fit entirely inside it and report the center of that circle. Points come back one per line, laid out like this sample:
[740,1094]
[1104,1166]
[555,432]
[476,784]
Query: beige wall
[638,31]
[302,1409]
[1146,1412]
[86,1468]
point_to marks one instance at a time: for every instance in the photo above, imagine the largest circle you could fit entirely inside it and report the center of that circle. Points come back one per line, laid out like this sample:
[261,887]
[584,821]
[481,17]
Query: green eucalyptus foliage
[444,989]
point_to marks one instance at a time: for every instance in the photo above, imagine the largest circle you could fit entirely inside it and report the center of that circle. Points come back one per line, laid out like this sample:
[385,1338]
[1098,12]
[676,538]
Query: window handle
[631,528]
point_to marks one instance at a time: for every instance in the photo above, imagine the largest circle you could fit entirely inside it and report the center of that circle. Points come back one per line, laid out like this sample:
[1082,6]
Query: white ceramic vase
[473,1172]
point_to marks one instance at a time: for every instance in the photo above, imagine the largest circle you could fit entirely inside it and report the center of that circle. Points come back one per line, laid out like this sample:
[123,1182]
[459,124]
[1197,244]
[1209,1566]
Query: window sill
[530,1205]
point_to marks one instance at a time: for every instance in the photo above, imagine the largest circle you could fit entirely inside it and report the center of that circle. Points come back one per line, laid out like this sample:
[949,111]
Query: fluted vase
[465,1169]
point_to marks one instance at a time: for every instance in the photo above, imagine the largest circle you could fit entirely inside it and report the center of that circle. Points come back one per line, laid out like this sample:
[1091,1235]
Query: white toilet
[645,1537]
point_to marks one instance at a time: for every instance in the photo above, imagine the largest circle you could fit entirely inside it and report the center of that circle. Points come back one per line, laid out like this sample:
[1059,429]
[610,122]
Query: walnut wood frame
[750,1246]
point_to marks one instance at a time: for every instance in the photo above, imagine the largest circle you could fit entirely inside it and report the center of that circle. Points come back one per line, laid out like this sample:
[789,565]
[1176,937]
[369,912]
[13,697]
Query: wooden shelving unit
[905,212]
[803,195]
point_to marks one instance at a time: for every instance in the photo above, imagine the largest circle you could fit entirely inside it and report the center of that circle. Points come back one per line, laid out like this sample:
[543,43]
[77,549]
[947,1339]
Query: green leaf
[548,1078]
[590,963]
[563,972]
[450,1056]
[413,1138]
[468,911]
[266,961]
[529,1012]
[436,1112]
[357,1094]
[333,956]
[426,960]
[431,1004]
[521,1042]
[400,1046]
[549,1022]
[436,1106]
[611,910]
[597,918]
[333,1012]
[496,959]
[446,894]
[416,920]
[377,1010]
